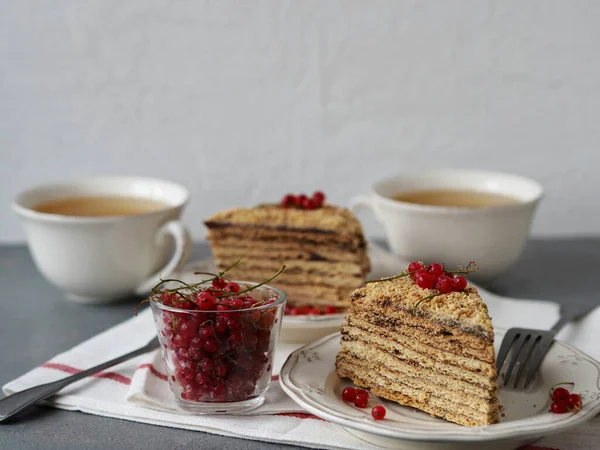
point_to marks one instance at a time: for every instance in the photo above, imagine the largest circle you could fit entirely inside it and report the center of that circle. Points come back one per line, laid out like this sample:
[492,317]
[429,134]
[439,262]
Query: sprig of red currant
[434,276]
[301,201]
[360,399]
[220,296]
[562,400]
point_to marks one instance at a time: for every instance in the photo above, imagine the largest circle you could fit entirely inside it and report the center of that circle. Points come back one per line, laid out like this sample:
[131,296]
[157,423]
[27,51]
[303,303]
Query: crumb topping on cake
[465,308]
[328,219]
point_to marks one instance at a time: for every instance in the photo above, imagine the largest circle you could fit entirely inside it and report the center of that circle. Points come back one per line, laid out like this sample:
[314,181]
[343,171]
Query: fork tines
[527,349]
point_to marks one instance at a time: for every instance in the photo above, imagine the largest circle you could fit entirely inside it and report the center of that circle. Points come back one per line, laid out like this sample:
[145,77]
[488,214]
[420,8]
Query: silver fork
[22,400]
[530,346]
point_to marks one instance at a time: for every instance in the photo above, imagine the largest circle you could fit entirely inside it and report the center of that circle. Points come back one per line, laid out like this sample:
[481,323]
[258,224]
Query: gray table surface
[36,323]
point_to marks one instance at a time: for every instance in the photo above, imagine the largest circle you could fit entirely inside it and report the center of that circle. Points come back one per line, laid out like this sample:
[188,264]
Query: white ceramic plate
[309,377]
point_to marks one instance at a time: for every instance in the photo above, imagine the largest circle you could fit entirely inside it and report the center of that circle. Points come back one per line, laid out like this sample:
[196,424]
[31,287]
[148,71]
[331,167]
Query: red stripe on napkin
[298,415]
[73,370]
[153,371]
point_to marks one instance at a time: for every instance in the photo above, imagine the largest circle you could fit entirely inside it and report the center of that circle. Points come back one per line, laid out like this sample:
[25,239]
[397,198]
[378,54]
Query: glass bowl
[220,362]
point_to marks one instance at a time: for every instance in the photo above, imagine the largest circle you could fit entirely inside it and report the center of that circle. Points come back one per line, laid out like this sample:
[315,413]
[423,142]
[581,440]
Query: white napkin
[137,390]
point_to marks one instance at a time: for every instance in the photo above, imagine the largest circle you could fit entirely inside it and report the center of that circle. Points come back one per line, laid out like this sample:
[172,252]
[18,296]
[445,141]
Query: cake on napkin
[322,247]
[429,347]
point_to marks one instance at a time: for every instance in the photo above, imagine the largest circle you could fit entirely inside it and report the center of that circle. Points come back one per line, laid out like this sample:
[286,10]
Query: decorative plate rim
[554,424]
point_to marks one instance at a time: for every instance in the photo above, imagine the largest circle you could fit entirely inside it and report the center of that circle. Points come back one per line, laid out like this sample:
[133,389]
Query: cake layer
[230,248]
[345,242]
[419,365]
[417,352]
[315,295]
[416,387]
[294,267]
[420,331]
[463,310]
[305,278]
[440,334]
[396,391]
[325,220]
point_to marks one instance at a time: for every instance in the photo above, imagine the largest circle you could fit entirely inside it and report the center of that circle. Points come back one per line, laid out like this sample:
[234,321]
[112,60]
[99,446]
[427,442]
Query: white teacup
[102,259]
[492,236]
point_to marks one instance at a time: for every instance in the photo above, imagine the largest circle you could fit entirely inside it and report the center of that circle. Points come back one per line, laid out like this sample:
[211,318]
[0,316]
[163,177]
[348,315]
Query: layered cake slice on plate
[322,247]
[422,348]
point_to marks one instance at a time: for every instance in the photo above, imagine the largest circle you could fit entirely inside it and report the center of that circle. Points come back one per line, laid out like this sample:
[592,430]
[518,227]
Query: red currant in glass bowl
[218,351]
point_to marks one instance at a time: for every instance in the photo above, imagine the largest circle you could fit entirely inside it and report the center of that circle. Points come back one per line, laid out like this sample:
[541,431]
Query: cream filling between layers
[232,248]
[433,333]
[307,279]
[432,371]
[347,242]
[433,405]
[380,375]
[296,267]
[404,341]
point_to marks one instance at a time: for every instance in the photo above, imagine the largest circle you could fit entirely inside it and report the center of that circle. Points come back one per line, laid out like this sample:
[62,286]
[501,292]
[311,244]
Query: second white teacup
[104,258]
[492,236]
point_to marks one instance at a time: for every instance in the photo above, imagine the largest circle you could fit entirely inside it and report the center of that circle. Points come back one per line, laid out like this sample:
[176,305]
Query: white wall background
[242,101]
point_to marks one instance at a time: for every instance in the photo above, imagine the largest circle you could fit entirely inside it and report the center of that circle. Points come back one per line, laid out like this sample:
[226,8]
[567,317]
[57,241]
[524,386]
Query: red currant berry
[575,402]
[232,287]
[221,324]
[210,345]
[309,203]
[330,309]
[348,394]
[219,283]
[202,378]
[435,269]
[288,200]
[237,303]
[294,312]
[378,412]
[459,283]
[425,280]
[558,407]
[187,328]
[304,309]
[180,341]
[314,311]
[560,393]
[299,200]
[205,332]
[221,369]
[319,198]
[414,266]
[205,301]
[444,284]
[361,400]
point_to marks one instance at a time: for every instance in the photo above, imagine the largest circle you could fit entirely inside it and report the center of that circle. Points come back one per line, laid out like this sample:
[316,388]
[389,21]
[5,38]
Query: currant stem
[256,285]
[401,275]
[429,297]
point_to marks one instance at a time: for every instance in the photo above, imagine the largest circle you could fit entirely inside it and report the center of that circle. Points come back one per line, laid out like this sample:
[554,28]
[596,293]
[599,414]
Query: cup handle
[391,262]
[359,202]
[183,245]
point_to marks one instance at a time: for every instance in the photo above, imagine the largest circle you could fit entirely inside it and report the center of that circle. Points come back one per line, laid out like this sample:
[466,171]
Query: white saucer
[308,376]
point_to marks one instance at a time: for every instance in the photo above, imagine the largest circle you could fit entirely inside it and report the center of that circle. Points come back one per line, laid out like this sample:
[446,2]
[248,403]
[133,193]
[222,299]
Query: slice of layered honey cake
[322,247]
[429,347]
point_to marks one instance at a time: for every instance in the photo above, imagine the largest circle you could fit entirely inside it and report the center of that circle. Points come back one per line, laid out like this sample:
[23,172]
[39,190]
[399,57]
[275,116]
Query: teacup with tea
[102,239]
[456,216]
